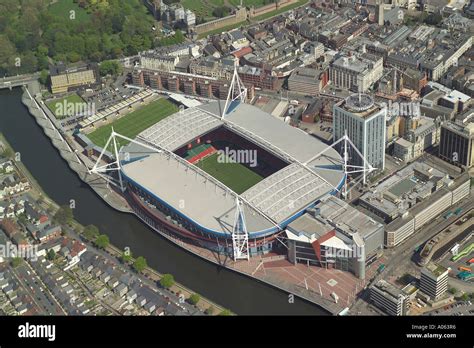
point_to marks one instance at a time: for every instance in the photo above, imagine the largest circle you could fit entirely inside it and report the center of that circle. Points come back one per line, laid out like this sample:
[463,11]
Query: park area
[204,8]
[135,122]
[68,9]
[234,175]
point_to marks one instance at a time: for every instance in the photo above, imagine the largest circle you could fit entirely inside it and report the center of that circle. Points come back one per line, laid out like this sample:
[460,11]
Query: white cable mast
[237,90]
[348,168]
[115,165]
[240,237]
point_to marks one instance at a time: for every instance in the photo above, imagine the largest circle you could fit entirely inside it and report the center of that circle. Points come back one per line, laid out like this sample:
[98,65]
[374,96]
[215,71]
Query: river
[238,293]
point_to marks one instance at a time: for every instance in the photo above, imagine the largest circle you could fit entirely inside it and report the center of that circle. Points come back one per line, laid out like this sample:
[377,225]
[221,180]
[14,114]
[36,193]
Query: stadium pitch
[235,176]
[134,123]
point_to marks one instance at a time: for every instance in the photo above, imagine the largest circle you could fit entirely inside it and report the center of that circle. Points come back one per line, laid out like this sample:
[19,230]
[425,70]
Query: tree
[110,67]
[225,312]
[64,215]
[91,232]
[126,256]
[22,218]
[44,77]
[102,241]
[8,153]
[51,255]
[167,281]
[194,299]
[221,11]
[16,261]
[452,291]
[209,310]
[140,264]
[433,19]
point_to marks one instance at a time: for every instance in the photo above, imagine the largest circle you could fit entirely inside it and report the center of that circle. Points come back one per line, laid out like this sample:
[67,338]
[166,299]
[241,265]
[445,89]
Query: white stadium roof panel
[179,129]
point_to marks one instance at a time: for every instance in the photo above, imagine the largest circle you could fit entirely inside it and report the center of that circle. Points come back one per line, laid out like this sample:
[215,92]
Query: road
[19,80]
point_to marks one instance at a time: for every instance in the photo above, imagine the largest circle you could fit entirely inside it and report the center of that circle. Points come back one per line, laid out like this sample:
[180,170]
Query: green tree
[225,312]
[209,310]
[221,11]
[22,218]
[167,281]
[8,153]
[102,241]
[51,255]
[91,232]
[64,215]
[452,291]
[140,264]
[126,256]
[194,299]
[433,19]
[16,261]
[110,67]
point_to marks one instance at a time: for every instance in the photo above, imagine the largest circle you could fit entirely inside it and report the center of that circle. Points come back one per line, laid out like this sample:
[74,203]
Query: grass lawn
[221,30]
[135,122]
[198,7]
[281,10]
[63,8]
[234,175]
[57,106]
[248,3]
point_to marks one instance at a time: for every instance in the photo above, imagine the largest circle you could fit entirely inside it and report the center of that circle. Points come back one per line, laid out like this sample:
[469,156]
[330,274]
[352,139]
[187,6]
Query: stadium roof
[182,188]
[279,197]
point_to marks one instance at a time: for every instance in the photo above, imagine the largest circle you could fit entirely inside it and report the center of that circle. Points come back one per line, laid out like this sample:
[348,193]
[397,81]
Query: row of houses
[18,298]
[128,286]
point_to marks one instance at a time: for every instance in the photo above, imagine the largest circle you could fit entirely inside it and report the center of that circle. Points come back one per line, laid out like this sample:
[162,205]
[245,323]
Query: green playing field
[135,122]
[234,175]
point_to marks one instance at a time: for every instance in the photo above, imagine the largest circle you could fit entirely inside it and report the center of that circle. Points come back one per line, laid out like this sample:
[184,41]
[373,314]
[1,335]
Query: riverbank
[282,303]
[98,185]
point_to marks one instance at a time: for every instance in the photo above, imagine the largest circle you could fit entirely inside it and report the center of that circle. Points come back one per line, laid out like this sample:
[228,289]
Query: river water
[231,290]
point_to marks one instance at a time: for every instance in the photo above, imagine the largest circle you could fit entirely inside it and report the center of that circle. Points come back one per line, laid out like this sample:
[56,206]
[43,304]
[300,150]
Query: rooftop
[435,269]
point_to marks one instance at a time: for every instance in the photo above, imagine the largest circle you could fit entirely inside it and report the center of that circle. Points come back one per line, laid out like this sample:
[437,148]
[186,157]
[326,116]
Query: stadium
[181,178]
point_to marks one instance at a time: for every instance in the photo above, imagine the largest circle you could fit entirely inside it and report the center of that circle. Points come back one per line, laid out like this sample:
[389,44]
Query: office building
[308,81]
[434,280]
[412,197]
[364,122]
[388,298]
[357,74]
[456,144]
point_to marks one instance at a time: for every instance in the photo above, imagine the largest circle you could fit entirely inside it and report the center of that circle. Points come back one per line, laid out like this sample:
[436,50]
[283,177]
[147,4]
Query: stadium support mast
[240,237]
[115,165]
[348,168]
[237,90]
